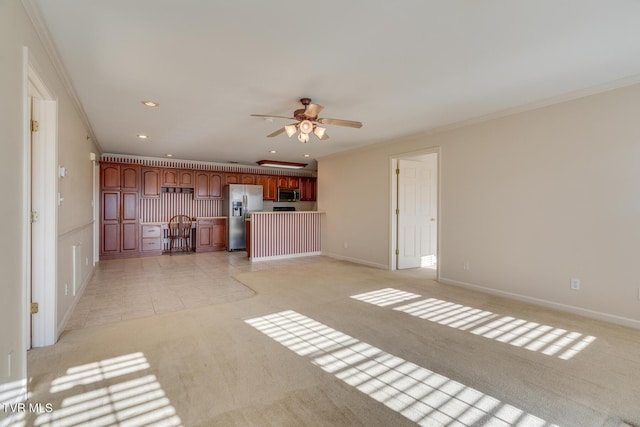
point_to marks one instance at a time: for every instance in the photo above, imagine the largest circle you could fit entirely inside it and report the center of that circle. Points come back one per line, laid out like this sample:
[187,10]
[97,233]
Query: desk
[207,234]
[166,241]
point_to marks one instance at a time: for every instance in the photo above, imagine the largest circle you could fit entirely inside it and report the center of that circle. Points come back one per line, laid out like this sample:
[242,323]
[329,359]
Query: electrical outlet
[465,265]
[86,261]
[345,245]
[575,284]
[9,364]
[66,289]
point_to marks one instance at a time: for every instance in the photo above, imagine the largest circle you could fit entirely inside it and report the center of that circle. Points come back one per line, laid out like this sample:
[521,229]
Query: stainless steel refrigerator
[238,202]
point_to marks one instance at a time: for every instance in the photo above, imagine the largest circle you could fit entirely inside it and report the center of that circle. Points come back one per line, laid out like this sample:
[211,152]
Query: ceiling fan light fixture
[290,130]
[303,137]
[319,132]
[306,126]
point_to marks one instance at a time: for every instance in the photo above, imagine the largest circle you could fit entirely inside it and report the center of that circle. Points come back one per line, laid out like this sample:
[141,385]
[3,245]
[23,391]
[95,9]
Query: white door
[42,174]
[417,208]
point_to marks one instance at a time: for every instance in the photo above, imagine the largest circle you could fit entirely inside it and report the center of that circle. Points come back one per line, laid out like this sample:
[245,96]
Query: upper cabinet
[208,185]
[269,186]
[239,178]
[116,176]
[150,183]
[288,182]
[177,178]
[308,189]
[186,178]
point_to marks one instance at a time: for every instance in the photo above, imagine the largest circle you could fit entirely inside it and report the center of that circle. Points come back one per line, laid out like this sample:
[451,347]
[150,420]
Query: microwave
[288,195]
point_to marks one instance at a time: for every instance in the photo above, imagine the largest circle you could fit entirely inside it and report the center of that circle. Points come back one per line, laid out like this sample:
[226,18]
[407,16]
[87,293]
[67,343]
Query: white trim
[203,165]
[42,177]
[286,256]
[393,182]
[26,199]
[357,261]
[570,96]
[63,324]
[33,11]
[611,318]
[95,203]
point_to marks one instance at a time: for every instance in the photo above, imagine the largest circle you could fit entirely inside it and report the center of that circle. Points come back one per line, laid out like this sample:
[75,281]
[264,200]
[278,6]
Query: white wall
[529,200]
[17,32]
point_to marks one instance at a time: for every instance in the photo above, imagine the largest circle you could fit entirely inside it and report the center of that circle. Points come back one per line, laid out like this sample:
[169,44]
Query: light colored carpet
[320,344]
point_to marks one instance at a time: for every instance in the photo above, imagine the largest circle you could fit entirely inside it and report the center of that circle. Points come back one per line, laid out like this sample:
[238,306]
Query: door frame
[40,252]
[393,203]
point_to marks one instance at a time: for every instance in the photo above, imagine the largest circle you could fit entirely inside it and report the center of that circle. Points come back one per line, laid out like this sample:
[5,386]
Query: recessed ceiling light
[150,103]
[142,136]
[307,155]
[273,151]
[169,155]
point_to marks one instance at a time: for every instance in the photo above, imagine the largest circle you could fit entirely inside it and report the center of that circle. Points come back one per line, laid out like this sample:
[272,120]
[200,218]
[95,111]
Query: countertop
[289,212]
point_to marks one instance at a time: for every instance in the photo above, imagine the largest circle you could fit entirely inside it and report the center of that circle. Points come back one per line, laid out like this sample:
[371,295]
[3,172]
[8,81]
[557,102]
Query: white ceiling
[399,67]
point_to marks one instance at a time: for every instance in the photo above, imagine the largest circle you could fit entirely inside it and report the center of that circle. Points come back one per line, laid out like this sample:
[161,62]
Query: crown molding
[201,165]
[39,24]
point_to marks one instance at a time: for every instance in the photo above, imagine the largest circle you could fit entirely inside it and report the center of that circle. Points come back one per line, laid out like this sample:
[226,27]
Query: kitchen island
[277,235]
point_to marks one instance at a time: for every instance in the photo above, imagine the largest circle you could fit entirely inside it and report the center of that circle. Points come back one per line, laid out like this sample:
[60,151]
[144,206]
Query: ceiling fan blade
[339,122]
[313,110]
[276,133]
[325,136]
[273,117]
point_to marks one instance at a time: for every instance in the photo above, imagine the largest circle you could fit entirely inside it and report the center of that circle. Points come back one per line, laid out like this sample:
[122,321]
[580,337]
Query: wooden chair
[180,233]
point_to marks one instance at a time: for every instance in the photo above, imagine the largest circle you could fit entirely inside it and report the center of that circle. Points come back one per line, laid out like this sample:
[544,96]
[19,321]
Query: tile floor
[139,287]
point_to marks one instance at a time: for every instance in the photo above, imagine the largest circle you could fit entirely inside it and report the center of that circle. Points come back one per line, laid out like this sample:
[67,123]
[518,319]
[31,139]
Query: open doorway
[415,210]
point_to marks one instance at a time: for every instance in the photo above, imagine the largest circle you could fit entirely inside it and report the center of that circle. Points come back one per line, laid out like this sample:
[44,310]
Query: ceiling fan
[307,120]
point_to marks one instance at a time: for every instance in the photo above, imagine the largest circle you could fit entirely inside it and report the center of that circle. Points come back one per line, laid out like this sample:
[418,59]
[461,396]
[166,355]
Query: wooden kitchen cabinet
[119,209]
[231,178]
[211,234]
[288,182]
[248,179]
[308,189]
[294,182]
[185,178]
[115,176]
[151,239]
[150,180]
[208,185]
[177,178]
[239,178]
[119,223]
[269,186]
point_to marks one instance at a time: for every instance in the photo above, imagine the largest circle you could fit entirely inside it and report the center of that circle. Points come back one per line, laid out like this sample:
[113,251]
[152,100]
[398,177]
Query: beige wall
[74,216]
[529,200]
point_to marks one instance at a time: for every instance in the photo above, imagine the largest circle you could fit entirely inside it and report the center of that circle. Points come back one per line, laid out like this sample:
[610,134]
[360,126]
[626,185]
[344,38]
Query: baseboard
[286,256]
[357,261]
[62,325]
[611,318]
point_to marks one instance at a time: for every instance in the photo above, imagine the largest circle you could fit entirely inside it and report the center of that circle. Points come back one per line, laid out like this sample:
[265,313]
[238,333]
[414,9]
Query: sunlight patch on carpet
[384,297]
[117,391]
[421,395]
[506,329]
